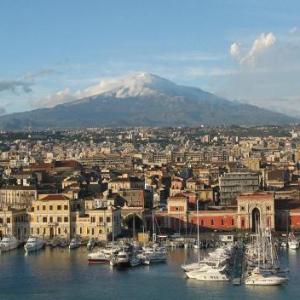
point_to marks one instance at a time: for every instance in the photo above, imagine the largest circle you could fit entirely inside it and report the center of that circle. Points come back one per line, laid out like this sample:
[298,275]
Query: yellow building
[100,222]
[50,216]
[15,222]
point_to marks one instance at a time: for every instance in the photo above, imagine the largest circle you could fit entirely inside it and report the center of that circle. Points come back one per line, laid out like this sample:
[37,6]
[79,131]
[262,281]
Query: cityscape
[149,150]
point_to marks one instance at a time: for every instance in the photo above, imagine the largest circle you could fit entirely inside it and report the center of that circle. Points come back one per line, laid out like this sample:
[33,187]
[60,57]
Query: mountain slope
[144,100]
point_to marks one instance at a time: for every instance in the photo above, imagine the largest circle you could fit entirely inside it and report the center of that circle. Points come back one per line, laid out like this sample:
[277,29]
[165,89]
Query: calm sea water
[60,274]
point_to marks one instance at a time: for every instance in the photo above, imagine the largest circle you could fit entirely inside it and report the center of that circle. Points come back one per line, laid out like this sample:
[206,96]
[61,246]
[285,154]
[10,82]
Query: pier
[237,268]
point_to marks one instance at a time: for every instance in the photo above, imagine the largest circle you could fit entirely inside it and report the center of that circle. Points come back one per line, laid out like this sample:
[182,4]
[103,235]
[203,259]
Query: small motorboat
[91,244]
[34,244]
[75,242]
[8,243]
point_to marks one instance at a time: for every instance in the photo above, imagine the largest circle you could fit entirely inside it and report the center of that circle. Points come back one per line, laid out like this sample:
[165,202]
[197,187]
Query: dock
[237,269]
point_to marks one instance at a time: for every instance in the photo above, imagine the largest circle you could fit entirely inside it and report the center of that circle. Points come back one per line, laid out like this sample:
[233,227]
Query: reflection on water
[63,274]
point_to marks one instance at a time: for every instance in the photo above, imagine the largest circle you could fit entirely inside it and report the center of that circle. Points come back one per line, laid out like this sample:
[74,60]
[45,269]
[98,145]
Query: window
[51,207]
[202,222]
[37,231]
[1,221]
[8,220]
[222,222]
[44,219]
[232,222]
[80,230]
[58,207]
[108,219]
[65,207]
[93,219]
[44,207]
[58,219]
[101,219]
[243,223]
[44,231]
[212,222]
[268,207]
[58,230]
[242,208]
[37,208]
[100,231]
[92,231]
[66,219]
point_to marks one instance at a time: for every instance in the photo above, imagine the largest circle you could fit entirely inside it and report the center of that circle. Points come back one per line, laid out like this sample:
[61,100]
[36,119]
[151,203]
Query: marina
[64,273]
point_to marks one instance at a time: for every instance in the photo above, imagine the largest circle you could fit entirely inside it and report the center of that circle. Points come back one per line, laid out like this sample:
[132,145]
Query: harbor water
[63,274]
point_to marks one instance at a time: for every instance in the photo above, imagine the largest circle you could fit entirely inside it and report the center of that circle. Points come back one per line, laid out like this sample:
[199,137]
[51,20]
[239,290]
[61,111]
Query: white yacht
[214,264]
[122,259]
[99,257]
[75,243]
[293,243]
[154,255]
[208,274]
[8,243]
[34,244]
[258,277]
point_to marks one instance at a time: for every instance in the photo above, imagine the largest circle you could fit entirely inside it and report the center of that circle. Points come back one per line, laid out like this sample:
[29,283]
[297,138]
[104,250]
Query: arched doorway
[133,220]
[255,219]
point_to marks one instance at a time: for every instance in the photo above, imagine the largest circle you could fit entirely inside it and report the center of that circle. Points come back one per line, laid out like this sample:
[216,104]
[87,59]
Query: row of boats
[33,244]
[214,267]
[129,255]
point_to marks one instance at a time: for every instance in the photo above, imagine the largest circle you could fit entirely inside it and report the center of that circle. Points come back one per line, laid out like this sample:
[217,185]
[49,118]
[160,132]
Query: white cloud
[235,49]
[266,75]
[263,42]
[52,100]
[67,95]
[259,46]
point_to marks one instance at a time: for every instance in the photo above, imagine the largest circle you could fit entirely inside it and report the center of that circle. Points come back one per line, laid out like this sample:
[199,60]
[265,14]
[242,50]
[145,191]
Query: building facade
[233,184]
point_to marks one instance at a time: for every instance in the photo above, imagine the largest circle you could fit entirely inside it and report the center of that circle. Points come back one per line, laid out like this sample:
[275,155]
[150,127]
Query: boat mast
[198,232]
[133,231]
[153,228]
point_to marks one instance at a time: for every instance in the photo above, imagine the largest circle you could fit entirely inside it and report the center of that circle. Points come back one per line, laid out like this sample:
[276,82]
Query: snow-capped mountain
[140,84]
[143,99]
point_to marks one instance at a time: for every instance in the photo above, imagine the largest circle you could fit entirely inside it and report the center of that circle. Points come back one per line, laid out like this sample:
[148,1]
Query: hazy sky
[244,50]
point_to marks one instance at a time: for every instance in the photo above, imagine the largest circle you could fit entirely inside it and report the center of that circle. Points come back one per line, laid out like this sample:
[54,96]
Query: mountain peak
[134,85]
